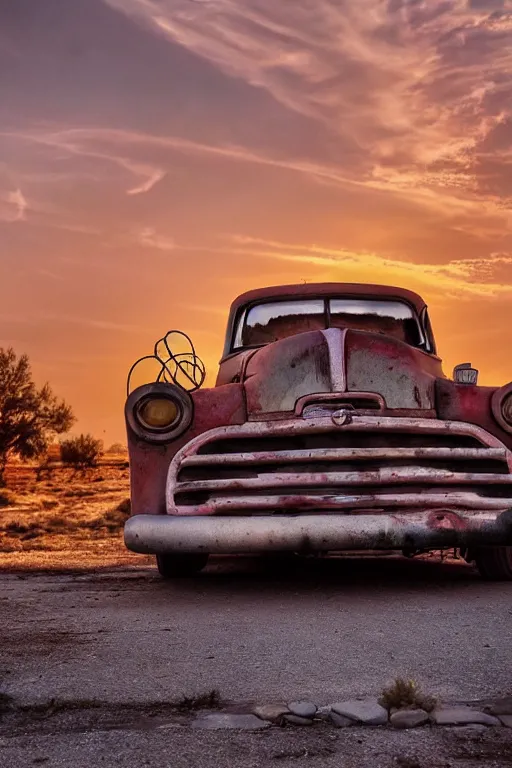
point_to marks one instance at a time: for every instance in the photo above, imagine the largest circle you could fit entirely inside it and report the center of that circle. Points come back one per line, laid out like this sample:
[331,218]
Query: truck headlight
[159,413]
[501,405]
[506,408]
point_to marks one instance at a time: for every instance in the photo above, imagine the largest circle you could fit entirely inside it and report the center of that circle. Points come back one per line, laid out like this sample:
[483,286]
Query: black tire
[176,565]
[494,563]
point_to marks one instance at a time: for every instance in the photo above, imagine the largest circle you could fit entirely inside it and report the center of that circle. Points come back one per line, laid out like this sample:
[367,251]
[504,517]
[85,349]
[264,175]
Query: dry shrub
[406,694]
[57,524]
[113,520]
[82,451]
[209,700]
[117,449]
[7,498]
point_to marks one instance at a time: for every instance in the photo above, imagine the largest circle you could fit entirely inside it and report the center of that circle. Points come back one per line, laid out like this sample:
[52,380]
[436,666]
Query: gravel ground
[320,748]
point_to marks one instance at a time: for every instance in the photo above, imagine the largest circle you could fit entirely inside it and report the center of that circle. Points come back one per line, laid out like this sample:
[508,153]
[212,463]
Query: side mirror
[465,374]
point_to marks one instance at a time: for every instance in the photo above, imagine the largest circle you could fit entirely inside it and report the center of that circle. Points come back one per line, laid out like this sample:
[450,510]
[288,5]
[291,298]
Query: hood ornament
[342,417]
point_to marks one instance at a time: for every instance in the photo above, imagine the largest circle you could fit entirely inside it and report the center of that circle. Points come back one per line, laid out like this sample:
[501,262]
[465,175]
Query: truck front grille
[373,463]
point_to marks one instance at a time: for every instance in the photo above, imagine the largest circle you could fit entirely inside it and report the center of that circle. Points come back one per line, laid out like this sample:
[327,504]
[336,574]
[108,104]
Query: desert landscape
[58,517]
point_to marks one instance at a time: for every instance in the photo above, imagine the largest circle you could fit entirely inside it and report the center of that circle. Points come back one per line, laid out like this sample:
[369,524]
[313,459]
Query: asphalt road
[257,632]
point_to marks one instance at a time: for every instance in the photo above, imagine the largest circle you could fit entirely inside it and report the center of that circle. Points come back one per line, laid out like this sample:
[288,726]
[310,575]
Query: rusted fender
[149,463]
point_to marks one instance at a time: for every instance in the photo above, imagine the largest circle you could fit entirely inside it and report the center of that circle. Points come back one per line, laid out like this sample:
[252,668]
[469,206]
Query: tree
[82,451]
[29,417]
[117,448]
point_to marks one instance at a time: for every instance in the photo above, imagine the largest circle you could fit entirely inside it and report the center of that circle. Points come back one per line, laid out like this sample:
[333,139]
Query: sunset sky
[159,157]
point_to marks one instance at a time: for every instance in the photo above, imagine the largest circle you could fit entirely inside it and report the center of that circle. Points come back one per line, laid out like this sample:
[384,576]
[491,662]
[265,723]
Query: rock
[462,716]
[506,720]
[339,721]
[501,706]
[297,720]
[409,718]
[323,713]
[271,712]
[217,720]
[367,711]
[302,708]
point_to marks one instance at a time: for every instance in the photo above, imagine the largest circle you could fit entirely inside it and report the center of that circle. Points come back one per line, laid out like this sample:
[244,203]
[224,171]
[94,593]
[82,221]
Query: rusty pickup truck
[331,428]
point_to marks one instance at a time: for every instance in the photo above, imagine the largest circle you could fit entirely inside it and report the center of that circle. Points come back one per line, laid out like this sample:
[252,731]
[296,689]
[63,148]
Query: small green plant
[81,452]
[406,694]
[209,700]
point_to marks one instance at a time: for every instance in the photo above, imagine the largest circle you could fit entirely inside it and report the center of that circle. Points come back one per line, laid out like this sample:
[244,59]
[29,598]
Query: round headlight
[506,408]
[501,405]
[158,413]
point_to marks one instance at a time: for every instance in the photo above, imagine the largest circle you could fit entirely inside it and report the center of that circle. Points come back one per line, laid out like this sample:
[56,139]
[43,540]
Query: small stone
[463,732]
[297,720]
[271,712]
[366,711]
[339,721]
[462,716]
[302,708]
[506,720]
[409,718]
[323,713]
[218,720]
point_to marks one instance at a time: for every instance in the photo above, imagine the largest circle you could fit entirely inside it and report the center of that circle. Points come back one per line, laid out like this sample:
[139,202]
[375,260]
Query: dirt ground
[62,518]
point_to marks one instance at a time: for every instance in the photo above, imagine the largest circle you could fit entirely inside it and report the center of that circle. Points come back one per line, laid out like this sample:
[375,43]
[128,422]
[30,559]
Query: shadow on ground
[348,572]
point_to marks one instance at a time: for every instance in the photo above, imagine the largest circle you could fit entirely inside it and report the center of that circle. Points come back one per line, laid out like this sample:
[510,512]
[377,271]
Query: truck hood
[276,376]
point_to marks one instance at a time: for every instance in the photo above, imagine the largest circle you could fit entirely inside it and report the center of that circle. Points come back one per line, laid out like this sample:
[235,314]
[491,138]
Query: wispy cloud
[93,323]
[84,143]
[151,239]
[113,146]
[461,277]
[13,206]
[154,177]
[414,87]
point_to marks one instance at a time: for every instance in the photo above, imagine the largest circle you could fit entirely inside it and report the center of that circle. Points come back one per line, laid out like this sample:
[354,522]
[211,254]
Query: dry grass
[209,700]
[7,497]
[406,694]
[66,517]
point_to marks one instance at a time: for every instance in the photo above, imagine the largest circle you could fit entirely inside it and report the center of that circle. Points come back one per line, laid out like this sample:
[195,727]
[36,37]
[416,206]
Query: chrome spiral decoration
[184,369]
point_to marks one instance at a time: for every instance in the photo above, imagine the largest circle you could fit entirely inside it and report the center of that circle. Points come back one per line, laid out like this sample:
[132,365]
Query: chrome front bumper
[151,534]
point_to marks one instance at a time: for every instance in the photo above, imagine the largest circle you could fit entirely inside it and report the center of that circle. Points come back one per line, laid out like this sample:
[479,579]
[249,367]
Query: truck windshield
[264,323]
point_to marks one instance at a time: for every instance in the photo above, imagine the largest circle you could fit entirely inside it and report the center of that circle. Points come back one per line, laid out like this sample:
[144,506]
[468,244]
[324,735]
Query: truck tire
[172,566]
[494,563]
